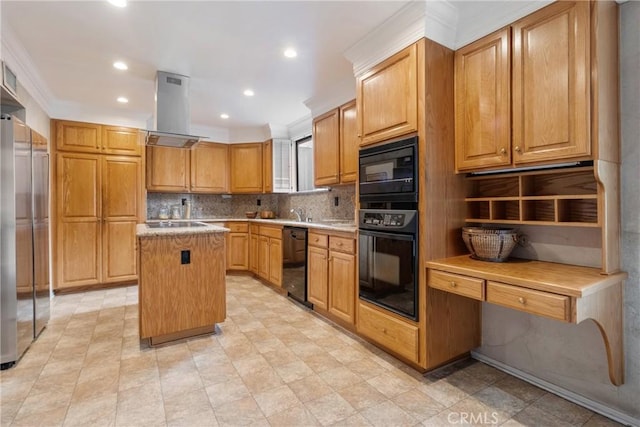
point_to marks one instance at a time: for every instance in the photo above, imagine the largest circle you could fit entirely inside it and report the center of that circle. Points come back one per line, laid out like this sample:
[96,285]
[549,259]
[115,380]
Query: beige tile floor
[272,363]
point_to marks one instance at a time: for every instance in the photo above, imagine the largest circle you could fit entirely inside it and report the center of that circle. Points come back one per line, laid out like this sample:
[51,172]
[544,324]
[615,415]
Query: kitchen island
[182,279]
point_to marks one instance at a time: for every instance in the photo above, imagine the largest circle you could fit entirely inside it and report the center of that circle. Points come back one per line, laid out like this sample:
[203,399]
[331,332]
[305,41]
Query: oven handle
[395,236]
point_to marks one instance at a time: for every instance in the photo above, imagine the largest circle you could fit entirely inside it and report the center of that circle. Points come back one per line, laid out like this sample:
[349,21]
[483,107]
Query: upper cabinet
[387,98]
[539,69]
[167,169]
[335,146]
[267,168]
[82,137]
[209,172]
[246,165]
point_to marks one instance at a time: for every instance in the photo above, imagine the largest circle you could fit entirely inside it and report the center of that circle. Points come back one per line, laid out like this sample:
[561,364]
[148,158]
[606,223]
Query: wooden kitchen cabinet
[539,70]
[167,169]
[331,277]
[209,168]
[237,248]
[97,208]
[387,98]
[246,168]
[267,166]
[326,149]
[349,143]
[254,252]
[335,146]
[269,254]
[83,137]
[483,102]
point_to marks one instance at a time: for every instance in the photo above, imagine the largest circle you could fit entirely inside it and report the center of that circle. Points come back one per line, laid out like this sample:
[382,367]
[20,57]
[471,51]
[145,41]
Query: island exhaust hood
[172,112]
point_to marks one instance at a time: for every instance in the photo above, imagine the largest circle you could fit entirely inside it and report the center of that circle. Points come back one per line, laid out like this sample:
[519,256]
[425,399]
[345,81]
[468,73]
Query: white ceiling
[66,50]
[224,46]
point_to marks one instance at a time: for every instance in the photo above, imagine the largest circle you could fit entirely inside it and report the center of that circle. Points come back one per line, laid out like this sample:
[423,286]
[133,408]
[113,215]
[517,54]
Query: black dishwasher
[294,263]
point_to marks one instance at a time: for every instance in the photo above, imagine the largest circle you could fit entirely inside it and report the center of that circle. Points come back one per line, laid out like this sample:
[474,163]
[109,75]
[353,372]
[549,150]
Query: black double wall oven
[388,226]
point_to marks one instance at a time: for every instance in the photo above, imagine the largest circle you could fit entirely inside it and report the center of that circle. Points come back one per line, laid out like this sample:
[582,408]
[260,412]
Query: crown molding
[434,19]
[19,60]
[300,128]
[340,93]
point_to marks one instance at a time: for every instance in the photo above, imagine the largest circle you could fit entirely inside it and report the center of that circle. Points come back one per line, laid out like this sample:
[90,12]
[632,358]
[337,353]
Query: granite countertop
[335,225]
[198,227]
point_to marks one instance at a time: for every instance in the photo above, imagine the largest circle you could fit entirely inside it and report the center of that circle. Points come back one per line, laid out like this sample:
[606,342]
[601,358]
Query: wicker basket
[490,243]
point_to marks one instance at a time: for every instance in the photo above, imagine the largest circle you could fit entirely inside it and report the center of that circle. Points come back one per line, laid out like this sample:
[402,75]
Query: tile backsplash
[318,205]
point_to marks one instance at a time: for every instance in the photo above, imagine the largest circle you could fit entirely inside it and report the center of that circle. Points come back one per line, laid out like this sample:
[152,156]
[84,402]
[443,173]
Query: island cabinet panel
[387,97]
[167,169]
[174,296]
[209,168]
[245,166]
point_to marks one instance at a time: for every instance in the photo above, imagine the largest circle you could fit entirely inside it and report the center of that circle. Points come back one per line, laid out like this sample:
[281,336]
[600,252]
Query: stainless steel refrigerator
[24,236]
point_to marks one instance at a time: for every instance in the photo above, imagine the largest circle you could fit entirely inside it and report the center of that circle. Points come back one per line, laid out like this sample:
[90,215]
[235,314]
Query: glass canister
[163,213]
[176,212]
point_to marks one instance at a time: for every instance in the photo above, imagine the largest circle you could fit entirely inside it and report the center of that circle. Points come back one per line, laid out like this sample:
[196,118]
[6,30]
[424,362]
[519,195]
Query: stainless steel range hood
[172,112]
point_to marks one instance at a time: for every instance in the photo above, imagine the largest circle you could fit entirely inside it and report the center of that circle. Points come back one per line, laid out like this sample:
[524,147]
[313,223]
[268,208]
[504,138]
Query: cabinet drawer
[319,240]
[271,232]
[396,335]
[238,227]
[255,229]
[342,244]
[470,287]
[535,302]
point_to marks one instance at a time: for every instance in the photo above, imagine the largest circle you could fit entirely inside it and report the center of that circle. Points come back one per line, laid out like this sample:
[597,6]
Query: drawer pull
[453,284]
[339,243]
[384,330]
[521,300]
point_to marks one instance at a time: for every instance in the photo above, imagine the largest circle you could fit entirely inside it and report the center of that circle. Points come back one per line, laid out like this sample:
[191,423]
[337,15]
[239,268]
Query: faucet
[299,213]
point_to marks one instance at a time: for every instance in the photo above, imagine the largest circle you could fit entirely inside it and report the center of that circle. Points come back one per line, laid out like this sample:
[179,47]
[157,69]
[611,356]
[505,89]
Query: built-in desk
[561,292]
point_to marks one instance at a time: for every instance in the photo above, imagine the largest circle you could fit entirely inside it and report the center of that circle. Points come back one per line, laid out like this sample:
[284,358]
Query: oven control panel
[388,219]
[384,219]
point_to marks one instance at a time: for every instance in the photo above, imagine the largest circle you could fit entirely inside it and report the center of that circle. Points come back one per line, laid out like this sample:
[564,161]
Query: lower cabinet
[266,253]
[331,274]
[238,246]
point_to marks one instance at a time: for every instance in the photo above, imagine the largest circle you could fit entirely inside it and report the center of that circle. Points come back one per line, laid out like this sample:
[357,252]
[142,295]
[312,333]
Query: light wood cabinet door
[317,277]
[246,168]
[275,261]
[78,137]
[237,251]
[349,143]
[79,214]
[267,170]
[263,257]
[483,102]
[121,140]
[120,206]
[342,286]
[254,253]
[209,168]
[326,149]
[387,98]
[167,169]
[551,84]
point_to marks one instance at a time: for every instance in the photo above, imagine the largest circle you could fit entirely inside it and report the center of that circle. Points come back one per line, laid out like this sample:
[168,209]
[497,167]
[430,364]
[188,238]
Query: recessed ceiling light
[118,3]
[290,53]
[224,116]
[120,65]
[248,92]
[122,100]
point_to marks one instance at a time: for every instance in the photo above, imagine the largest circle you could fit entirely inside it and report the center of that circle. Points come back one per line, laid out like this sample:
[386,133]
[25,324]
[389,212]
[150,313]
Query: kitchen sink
[170,224]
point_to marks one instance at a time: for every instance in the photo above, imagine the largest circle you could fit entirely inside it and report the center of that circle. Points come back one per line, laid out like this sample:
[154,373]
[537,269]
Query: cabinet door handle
[516,149]
[521,300]
[503,151]
[453,284]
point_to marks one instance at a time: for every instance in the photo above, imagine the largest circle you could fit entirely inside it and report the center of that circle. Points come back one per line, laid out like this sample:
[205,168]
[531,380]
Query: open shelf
[566,197]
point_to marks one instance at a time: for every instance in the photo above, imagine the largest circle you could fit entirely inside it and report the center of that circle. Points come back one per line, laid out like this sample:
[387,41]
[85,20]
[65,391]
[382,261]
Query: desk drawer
[535,302]
[466,286]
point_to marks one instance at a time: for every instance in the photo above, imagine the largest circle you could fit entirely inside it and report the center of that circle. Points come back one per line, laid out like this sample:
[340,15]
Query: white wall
[569,356]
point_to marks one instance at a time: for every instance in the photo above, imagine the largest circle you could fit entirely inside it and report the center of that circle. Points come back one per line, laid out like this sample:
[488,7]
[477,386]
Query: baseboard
[593,405]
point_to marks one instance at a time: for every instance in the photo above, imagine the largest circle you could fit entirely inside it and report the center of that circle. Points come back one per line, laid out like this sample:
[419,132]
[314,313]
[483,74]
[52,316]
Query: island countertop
[194,227]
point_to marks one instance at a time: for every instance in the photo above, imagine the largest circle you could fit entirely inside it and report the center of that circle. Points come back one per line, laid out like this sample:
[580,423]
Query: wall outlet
[258,202]
[336,201]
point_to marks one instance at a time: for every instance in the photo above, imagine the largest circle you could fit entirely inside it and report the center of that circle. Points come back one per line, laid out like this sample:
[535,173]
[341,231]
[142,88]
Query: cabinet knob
[521,300]
[503,151]
[384,330]
[453,284]
[516,148]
